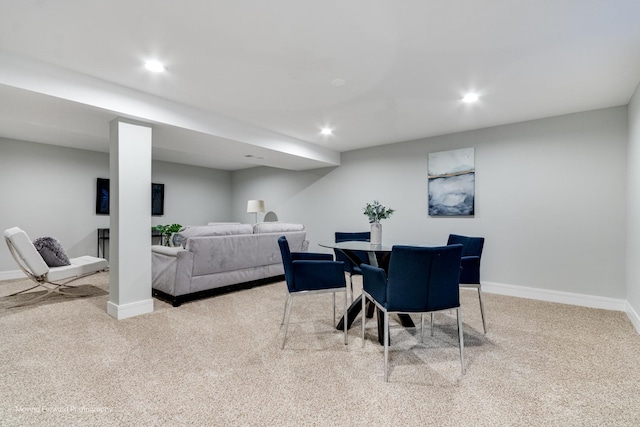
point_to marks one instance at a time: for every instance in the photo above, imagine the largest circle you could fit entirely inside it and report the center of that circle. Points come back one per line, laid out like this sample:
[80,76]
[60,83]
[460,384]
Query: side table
[103,238]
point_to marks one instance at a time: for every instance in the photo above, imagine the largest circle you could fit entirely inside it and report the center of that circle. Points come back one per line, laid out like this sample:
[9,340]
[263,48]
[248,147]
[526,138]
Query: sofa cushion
[51,251]
[276,227]
[214,254]
[218,254]
[211,230]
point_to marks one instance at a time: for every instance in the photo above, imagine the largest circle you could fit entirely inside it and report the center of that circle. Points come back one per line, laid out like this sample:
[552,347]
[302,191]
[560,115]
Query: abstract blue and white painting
[452,178]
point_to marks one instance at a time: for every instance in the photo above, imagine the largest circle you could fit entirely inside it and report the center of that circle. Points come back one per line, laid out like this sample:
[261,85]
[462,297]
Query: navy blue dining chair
[470,274]
[420,280]
[353,259]
[309,273]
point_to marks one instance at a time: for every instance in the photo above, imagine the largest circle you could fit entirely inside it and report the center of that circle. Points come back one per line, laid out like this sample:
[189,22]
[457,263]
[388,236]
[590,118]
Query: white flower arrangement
[375,211]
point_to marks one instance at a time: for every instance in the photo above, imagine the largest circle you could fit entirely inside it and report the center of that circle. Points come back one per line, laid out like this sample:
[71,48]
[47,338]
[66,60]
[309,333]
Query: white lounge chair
[53,279]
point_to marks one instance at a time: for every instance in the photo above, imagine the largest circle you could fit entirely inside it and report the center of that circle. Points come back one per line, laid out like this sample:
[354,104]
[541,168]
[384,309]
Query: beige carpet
[217,362]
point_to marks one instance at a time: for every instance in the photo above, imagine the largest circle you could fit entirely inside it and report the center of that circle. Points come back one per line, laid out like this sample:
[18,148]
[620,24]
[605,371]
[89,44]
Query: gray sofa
[216,258]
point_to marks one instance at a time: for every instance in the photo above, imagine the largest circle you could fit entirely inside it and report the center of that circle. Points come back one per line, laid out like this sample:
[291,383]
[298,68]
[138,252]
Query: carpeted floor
[217,362]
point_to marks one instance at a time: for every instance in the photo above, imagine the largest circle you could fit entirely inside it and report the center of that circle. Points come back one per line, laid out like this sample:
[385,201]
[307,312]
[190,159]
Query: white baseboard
[124,311]
[12,274]
[633,316]
[582,300]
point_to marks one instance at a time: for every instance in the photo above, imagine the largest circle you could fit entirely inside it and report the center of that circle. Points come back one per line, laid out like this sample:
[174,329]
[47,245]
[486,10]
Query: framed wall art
[452,178]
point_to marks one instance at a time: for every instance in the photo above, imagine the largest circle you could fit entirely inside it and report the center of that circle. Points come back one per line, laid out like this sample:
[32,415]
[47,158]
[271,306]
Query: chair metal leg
[364,316]
[50,288]
[32,300]
[334,307]
[21,292]
[346,337]
[286,323]
[386,346]
[461,338]
[57,290]
[422,327]
[351,283]
[484,326]
[284,313]
[431,324]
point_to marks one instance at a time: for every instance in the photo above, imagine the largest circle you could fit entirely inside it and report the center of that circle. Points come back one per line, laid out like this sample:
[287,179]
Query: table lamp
[255,206]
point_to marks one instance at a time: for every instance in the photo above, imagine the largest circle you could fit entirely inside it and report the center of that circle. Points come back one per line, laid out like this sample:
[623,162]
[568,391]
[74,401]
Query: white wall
[550,199]
[277,187]
[633,212]
[50,191]
[192,195]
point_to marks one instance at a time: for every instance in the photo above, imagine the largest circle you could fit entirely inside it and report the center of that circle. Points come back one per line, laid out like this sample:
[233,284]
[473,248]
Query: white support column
[130,222]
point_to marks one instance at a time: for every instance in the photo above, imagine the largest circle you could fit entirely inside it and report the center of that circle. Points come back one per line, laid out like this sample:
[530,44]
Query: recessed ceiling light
[326,131]
[155,66]
[470,97]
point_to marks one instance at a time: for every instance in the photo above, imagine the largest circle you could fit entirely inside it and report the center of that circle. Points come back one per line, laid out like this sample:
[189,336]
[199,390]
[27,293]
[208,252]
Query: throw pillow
[51,251]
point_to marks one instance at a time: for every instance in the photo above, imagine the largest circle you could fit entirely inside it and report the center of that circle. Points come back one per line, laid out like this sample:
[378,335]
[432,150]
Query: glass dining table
[378,257]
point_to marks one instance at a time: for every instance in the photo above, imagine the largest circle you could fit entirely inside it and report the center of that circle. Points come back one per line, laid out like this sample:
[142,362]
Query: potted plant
[167,231]
[376,212]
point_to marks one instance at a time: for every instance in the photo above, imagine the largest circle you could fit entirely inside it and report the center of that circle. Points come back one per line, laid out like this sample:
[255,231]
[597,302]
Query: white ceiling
[252,77]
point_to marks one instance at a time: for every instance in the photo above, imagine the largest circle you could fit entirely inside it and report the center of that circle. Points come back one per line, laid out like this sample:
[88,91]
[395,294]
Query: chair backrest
[25,254]
[471,246]
[360,236]
[424,279]
[286,262]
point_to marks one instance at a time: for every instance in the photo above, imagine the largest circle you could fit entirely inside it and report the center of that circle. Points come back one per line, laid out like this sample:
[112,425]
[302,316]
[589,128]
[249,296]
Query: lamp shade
[254,206]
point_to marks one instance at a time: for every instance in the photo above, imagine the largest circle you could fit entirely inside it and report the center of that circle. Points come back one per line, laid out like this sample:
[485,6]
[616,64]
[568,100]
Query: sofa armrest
[171,270]
[167,250]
